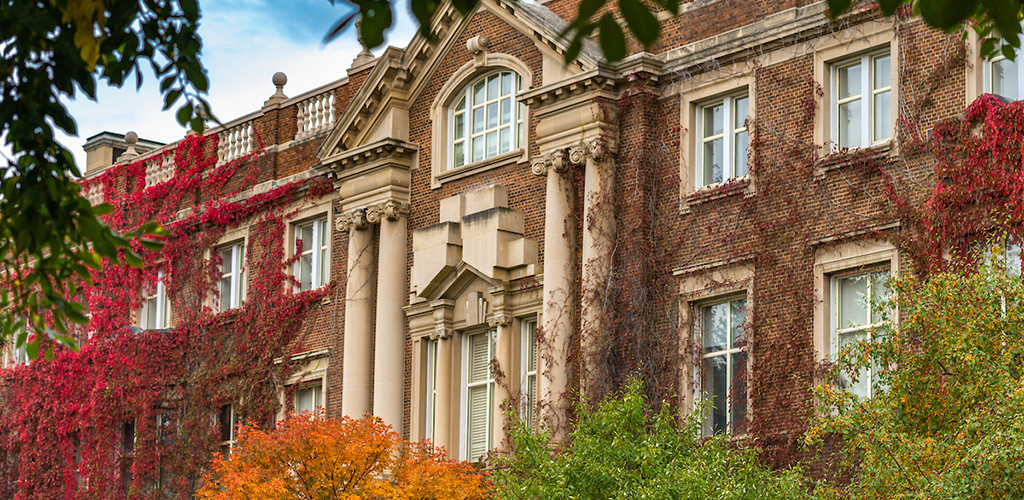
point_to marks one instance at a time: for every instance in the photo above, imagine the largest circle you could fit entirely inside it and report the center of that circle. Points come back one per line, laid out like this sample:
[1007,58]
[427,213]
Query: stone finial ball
[280,79]
[131,137]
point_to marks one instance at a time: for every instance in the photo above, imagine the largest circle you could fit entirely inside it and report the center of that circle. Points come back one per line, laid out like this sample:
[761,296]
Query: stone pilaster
[359,309]
[389,352]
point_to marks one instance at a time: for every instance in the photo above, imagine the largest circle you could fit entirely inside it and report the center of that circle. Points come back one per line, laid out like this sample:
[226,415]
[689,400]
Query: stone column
[389,353]
[355,386]
[598,228]
[502,394]
[443,411]
[558,295]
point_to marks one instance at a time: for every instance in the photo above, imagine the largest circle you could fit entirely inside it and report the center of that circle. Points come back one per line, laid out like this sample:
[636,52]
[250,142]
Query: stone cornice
[392,152]
[596,83]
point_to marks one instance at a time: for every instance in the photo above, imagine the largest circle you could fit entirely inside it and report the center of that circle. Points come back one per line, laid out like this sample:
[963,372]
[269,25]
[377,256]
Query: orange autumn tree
[312,457]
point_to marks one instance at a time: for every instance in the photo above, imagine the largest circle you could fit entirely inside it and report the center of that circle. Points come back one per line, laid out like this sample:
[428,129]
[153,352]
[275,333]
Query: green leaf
[170,98]
[184,114]
[613,43]
[943,14]
[153,246]
[102,209]
[49,352]
[32,349]
[836,8]
[1005,14]
[1008,51]
[642,23]
[889,6]
[131,259]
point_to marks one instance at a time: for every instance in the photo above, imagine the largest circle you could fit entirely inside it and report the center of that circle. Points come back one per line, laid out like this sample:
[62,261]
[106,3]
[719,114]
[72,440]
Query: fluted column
[598,228]
[502,394]
[357,369]
[389,353]
[558,295]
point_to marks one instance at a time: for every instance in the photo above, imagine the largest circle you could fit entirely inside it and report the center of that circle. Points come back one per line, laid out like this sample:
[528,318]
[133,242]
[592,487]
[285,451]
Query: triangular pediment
[454,281]
[399,75]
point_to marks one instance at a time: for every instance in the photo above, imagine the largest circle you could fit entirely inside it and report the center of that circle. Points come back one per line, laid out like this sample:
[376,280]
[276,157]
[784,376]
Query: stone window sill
[858,156]
[479,166]
[732,187]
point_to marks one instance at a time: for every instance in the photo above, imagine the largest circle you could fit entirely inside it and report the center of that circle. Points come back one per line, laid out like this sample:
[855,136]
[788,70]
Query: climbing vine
[135,412]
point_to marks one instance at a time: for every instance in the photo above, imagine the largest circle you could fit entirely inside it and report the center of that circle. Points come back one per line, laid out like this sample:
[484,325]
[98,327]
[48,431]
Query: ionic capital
[441,332]
[500,319]
[390,210]
[354,220]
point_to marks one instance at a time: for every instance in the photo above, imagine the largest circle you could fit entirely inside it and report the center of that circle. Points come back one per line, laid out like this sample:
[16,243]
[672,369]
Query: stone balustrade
[315,114]
[236,141]
[159,167]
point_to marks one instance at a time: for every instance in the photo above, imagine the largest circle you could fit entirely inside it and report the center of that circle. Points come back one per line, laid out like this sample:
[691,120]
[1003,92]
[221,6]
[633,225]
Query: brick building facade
[710,213]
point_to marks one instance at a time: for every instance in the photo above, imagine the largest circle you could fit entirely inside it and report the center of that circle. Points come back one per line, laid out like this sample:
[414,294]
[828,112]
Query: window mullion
[867,94]
[728,162]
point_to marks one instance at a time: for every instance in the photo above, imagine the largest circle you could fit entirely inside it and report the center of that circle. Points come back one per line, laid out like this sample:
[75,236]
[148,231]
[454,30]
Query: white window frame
[320,273]
[431,416]
[868,112]
[318,391]
[528,405]
[161,301]
[19,355]
[465,385]
[836,330]
[987,74]
[730,131]
[227,445]
[730,352]
[517,120]
[237,276]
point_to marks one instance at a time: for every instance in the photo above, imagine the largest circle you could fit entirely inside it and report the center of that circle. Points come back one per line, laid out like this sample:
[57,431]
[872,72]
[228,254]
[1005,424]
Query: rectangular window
[228,422]
[855,317]
[1004,253]
[432,346]
[309,398]
[723,140]
[312,267]
[529,363]
[478,389]
[724,366]
[156,308]
[232,276]
[862,101]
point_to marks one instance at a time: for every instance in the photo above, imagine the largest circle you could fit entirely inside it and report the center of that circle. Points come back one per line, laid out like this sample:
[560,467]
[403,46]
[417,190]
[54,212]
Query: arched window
[485,120]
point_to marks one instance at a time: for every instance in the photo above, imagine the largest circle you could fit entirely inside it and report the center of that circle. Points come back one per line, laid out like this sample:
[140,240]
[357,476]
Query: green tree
[619,451]
[947,420]
[49,233]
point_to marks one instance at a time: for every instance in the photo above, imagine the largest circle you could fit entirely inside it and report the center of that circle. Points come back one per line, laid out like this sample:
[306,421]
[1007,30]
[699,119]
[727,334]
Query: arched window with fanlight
[485,119]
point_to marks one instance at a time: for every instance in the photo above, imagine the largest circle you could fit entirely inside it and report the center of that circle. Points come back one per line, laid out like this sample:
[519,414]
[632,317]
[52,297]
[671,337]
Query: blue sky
[244,43]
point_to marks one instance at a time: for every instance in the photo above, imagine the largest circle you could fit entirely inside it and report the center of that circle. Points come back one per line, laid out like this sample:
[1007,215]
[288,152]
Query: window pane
[1004,78]
[477,412]
[479,358]
[716,390]
[462,104]
[324,277]
[738,327]
[304,400]
[225,261]
[862,387]
[742,107]
[849,124]
[225,294]
[1013,258]
[715,323]
[853,309]
[459,154]
[879,293]
[492,115]
[460,125]
[506,83]
[713,120]
[478,120]
[506,140]
[849,81]
[306,236]
[883,116]
[478,92]
[306,272]
[492,87]
[738,393]
[478,148]
[150,313]
[713,156]
[492,144]
[506,111]
[323,232]
[882,72]
[740,154]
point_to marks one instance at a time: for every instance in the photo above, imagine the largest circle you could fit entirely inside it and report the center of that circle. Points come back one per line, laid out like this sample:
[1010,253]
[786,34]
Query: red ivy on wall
[84,425]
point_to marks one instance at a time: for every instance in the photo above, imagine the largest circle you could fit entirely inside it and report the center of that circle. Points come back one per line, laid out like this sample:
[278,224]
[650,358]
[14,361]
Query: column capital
[499,319]
[353,220]
[561,159]
[390,210]
[441,332]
